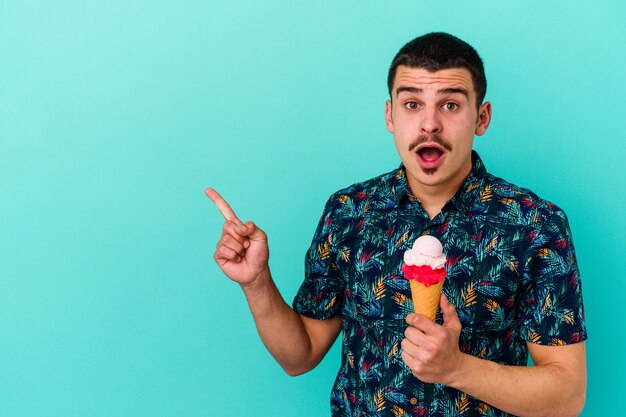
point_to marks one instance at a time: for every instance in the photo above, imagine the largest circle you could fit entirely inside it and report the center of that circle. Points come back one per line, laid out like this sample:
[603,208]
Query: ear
[484,118]
[388,118]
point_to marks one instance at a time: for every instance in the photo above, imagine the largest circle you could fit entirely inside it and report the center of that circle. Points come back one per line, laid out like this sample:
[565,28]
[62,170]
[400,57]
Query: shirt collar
[469,192]
[399,186]
[464,198]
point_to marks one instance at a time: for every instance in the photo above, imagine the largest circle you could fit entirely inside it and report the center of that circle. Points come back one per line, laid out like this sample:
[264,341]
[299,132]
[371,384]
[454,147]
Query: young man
[512,286]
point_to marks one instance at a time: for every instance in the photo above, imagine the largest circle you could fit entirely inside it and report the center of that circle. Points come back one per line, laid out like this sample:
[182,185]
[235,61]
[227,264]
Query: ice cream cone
[426,298]
[424,267]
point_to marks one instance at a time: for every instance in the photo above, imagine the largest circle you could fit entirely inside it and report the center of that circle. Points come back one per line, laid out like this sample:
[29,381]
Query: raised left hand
[431,350]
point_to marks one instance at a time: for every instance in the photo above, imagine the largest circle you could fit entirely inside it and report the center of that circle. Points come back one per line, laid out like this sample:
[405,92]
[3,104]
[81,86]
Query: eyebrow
[439,92]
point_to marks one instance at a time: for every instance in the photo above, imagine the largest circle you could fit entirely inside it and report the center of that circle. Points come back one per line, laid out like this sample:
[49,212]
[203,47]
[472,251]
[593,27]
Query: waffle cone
[426,298]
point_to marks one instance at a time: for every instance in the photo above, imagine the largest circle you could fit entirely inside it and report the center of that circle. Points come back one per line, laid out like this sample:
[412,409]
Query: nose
[430,122]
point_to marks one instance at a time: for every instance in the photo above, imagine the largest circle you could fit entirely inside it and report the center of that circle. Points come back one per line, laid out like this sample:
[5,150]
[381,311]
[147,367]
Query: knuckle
[407,346]
[432,349]
[404,344]
[232,238]
[218,257]
[230,228]
[417,369]
[440,337]
[437,345]
[225,253]
[234,242]
[408,332]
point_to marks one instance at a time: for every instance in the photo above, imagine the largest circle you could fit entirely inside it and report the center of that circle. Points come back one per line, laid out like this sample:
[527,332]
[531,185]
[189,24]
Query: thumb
[450,318]
[253,232]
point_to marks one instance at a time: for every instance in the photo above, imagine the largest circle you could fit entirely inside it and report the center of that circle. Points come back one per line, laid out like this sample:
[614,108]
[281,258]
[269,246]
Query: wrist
[258,283]
[457,377]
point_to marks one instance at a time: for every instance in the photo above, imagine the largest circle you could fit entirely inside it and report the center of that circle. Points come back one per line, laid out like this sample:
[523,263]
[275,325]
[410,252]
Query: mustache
[431,138]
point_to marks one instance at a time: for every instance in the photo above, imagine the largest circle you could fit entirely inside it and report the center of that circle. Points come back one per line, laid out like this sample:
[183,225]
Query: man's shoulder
[369,196]
[371,187]
[504,198]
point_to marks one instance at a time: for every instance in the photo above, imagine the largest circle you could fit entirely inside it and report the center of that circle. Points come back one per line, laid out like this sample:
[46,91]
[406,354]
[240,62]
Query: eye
[450,106]
[411,105]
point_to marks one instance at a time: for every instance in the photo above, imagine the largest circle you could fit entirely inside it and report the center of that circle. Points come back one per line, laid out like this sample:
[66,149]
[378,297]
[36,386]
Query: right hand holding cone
[431,350]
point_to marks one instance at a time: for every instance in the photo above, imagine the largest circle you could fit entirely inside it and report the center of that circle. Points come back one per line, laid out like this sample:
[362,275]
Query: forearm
[544,390]
[281,328]
[298,343]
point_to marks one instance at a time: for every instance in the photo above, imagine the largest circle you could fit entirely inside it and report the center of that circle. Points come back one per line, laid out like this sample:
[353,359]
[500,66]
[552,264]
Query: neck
[434,197]
[433,200]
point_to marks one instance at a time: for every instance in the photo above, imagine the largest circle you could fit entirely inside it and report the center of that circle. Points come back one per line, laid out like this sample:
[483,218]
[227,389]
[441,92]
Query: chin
[430,182]
[426,178]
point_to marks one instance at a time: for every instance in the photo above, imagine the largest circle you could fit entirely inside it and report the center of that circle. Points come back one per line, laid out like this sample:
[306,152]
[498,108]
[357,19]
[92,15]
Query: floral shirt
[512,276]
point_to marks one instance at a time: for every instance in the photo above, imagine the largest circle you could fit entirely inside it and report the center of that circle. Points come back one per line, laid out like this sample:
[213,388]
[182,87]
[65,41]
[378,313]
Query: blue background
[114,116]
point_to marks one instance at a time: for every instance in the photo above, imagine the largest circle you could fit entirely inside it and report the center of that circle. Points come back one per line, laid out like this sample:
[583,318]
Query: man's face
[433,118]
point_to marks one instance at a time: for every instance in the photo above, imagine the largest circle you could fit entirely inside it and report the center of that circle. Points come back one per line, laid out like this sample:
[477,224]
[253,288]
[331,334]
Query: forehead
[438,80]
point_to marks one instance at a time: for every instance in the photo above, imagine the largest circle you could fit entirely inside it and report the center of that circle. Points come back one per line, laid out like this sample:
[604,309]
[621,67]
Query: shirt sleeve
[552,311]
[321,295]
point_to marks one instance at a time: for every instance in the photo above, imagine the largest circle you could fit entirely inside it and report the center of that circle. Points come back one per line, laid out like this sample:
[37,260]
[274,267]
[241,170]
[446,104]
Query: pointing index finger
[222,206]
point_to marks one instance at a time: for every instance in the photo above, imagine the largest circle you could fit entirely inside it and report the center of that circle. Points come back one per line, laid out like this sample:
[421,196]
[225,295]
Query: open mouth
[430,154]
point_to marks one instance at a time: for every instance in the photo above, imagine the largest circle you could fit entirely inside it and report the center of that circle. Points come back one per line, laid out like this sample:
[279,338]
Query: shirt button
[413,400]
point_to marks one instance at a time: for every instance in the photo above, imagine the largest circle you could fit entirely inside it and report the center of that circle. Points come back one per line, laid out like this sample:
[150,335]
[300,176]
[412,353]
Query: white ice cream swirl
[427,250]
